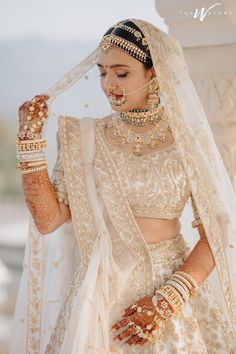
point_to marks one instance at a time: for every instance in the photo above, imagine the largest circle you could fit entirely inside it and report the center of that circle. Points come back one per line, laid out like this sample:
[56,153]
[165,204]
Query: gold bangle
[29,140]
[172,300]
[31,145]
[188,277]
[184,280]
[170,290]
[26,164]
[184,291]
[34,169]
[181,283]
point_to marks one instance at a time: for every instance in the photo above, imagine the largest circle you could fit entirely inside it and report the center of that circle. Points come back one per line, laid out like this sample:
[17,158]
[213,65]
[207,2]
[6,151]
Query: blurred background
[41,41]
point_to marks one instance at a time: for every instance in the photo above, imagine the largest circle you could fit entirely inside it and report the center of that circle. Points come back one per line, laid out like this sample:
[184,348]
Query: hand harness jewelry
[29,145]
[168,302]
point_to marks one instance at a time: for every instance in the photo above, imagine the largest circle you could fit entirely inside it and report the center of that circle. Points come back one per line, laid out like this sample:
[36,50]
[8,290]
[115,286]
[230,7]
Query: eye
[122,75]
[102,74]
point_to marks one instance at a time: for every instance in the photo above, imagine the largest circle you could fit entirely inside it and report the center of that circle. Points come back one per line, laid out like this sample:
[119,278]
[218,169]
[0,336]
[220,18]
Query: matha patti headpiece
[128,37]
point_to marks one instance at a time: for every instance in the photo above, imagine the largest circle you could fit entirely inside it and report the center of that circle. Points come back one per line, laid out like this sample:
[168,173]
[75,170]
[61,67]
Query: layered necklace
[150,138]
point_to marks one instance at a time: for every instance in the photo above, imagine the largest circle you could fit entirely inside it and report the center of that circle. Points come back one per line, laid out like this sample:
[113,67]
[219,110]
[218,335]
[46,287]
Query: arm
[41,199]
[47,197]
[200,262]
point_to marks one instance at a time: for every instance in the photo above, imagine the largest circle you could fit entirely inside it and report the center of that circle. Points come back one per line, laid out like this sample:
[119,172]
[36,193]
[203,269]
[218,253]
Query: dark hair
[129,31]
[148,65]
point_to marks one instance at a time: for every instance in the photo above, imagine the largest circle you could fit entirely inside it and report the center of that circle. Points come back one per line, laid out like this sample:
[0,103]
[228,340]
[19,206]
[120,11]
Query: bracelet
[31,145]
[185,294]
[26,164]
[183,280]
[30,155]
[36,169]
[23,134]
[182,284]
[189,278]
[174,295]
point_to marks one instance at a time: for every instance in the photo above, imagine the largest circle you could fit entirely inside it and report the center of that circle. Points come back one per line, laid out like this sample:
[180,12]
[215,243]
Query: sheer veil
[210,185]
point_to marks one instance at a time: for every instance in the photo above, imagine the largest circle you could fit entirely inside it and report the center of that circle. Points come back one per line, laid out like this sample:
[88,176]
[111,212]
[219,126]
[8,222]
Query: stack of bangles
[168,302]
[31,155]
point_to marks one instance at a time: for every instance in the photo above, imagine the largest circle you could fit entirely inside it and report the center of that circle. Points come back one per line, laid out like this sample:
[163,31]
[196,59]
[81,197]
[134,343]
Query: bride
[132,283]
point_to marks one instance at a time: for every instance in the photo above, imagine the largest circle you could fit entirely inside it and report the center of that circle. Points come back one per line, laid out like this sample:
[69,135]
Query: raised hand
[32,115]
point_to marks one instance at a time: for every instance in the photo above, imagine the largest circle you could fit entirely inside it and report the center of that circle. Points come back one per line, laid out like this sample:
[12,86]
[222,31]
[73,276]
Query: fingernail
[126,345]
[113,330]
[122,312]
[117,340]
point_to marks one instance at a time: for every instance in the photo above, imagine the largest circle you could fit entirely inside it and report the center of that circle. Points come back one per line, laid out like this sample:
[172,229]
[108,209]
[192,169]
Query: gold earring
[153,97]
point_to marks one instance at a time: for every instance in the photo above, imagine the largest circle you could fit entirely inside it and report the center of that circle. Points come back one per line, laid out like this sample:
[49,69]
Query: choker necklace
[126,136]
[140,117]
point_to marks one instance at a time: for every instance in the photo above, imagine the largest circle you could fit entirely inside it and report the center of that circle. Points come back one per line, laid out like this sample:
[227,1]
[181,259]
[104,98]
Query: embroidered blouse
[155,184]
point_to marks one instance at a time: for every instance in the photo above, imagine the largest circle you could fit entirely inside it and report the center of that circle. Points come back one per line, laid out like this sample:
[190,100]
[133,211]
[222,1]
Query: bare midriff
[156,230]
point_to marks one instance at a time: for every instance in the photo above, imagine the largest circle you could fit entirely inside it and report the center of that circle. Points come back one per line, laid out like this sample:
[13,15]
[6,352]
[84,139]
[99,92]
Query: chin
[122,108]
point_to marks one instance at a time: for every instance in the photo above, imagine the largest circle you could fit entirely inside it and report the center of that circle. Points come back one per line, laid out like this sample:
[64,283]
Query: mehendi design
[41,198]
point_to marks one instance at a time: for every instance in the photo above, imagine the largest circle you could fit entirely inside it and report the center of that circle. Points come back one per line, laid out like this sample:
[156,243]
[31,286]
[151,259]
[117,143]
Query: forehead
[116,55]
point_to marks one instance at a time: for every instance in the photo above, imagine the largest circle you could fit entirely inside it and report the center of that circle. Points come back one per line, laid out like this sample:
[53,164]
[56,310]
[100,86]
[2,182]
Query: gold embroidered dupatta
[121,255]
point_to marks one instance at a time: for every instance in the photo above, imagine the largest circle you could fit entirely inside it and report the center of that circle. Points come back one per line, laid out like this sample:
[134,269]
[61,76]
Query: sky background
[69,19]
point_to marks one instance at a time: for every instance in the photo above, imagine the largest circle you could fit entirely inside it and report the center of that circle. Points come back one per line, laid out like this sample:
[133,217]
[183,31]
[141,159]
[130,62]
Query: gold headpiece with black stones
[128,37]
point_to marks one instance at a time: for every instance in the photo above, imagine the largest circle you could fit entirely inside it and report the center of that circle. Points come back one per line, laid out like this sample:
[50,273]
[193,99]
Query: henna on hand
[32,115]
[142,319]
[41,200]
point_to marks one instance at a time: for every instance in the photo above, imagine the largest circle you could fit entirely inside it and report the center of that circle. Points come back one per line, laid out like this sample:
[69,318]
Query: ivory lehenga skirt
[200,329]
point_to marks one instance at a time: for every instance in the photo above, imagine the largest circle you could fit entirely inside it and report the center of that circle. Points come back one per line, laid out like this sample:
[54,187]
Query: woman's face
[121,69]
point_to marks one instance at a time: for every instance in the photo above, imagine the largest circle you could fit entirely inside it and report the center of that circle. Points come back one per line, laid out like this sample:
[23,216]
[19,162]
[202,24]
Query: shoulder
[68,121]
[105,119]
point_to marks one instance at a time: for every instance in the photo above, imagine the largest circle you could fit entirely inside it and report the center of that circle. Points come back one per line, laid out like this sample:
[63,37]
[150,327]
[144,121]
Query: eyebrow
[114,65]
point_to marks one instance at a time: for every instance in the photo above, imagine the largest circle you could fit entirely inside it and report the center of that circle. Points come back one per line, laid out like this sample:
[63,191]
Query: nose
[108,82]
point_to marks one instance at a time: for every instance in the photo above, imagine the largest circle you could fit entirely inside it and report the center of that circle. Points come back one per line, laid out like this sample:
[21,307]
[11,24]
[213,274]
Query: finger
[130,310]
[141,341]
[128,332]
[40,98]
[24,105]
[133,340]
[124,322]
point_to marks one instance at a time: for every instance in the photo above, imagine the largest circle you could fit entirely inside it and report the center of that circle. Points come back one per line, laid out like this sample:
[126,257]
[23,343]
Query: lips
[116,95]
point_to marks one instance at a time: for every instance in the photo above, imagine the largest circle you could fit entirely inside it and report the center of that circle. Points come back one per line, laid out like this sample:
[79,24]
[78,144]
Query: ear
[153,72]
